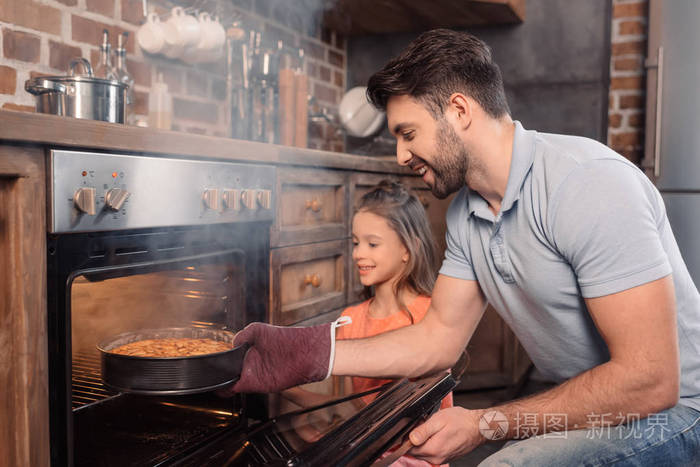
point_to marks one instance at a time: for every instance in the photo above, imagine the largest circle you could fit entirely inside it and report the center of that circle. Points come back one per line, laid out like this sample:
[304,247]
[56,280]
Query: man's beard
[450,164]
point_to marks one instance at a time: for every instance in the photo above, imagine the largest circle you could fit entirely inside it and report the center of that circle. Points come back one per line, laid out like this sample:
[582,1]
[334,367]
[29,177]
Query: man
[571,245]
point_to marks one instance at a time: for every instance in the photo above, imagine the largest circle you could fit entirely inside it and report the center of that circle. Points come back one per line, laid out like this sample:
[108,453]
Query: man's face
[430,147]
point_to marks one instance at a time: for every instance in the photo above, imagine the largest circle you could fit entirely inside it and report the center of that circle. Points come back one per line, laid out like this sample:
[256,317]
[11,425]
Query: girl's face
[377,251]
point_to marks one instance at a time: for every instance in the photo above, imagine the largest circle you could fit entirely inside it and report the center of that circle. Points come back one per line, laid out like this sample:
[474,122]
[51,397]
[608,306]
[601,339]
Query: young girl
[394,252]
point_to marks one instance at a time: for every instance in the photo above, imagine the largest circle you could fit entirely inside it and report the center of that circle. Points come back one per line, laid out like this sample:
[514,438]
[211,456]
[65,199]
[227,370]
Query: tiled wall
[42,36]
[627,78]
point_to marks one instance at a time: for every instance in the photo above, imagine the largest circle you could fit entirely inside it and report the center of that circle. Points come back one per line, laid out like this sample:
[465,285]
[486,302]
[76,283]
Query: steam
[195,295]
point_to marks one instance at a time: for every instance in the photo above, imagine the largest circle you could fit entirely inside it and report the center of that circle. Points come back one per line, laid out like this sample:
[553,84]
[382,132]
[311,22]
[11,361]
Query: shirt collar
[520,164]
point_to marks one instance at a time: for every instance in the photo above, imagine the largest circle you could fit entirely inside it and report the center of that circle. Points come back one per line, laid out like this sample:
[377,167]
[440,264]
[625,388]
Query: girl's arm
[435,343]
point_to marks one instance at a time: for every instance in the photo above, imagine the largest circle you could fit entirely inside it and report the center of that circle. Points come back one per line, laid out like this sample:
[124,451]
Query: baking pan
[170,375]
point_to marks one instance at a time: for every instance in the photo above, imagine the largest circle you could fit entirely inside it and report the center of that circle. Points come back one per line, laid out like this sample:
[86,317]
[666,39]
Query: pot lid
[76,79]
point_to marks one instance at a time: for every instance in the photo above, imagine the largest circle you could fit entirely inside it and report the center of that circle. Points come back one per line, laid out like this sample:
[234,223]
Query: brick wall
[42,36]
[627,78]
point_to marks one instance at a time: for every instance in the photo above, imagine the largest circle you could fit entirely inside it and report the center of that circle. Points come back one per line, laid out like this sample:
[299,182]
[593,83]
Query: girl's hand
[306,428]
[448,434]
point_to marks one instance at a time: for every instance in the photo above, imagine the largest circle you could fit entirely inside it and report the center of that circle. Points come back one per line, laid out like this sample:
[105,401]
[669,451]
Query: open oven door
[344,432]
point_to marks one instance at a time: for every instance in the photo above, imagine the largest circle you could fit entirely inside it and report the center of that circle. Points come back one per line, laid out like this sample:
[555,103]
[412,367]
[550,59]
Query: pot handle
[80,61]
[43,86]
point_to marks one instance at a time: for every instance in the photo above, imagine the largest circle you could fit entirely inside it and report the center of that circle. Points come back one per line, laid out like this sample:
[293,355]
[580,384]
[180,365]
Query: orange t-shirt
[364,325]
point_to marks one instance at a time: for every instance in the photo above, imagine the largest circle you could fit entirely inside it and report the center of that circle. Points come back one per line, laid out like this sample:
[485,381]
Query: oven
[139,242]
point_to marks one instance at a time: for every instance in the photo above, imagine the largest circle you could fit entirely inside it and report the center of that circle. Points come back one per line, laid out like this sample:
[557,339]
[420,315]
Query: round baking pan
[170,375]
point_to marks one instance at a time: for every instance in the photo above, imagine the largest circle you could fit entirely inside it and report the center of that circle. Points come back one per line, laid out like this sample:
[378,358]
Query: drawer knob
[314,205]
[313,280]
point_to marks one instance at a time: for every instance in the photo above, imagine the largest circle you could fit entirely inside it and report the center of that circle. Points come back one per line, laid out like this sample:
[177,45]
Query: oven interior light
[206,323]
[200,409]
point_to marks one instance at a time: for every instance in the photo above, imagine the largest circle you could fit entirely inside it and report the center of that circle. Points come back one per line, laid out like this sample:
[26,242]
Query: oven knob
[232,199]
[264,198]
[114,199]
[249,201]
[84,200]
[211,198]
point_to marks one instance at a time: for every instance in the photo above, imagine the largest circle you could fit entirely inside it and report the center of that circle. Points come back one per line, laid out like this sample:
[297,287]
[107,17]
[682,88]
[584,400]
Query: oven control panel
[91,192]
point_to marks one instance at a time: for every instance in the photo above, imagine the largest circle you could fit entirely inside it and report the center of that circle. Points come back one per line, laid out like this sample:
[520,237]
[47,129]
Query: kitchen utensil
[357,115]
[150,36]
[79,95]
[160,105]
[170,375]
[211,34]
[186,26]
[301,84]
[174,45]
[287,109]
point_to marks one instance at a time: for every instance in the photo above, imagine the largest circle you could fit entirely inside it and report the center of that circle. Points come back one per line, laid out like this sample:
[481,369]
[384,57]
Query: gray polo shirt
[577,221]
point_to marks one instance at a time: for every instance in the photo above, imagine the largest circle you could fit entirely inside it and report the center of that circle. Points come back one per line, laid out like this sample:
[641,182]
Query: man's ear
[459,111]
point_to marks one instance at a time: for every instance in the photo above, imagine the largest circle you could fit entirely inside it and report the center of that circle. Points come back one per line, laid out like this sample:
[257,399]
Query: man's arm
[433,344]
[641,377]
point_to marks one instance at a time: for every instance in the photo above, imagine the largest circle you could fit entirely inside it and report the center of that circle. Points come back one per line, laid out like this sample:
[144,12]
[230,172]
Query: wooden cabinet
[392,16]
[309,240]
[307,280]
[24,431]
[311,206]
[496,357]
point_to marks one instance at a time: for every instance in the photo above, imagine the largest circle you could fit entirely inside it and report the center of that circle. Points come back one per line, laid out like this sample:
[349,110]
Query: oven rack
[87,386]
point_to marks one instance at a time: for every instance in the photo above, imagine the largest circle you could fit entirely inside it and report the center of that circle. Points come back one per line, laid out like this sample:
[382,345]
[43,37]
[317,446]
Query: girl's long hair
[406,216]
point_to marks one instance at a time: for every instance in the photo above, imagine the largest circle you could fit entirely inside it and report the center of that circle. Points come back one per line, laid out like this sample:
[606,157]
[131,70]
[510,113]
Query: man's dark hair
[437,64]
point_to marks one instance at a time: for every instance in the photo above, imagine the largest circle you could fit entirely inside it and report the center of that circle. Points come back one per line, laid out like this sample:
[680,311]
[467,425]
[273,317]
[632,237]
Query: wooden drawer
[307,280]
[312,207]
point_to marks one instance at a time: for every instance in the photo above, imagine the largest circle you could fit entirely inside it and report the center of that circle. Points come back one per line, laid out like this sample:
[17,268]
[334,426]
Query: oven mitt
[281,357]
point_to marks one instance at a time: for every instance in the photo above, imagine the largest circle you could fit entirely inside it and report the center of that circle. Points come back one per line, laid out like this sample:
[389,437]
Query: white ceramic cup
[206,32]
[150,35]
[186,25]
[173,45]
[217,34]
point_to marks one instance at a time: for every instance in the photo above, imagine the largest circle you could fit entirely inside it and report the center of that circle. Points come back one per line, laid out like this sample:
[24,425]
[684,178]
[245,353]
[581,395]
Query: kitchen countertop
[65,132]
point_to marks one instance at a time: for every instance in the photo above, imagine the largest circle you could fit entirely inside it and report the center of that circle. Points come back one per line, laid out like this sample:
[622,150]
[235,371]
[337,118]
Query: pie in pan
[172,347]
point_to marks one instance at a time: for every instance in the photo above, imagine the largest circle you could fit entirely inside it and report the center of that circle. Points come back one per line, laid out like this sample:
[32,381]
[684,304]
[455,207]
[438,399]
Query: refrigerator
[672,129]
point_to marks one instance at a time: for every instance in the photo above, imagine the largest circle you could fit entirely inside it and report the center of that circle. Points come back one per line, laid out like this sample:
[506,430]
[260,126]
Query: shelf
[359,17]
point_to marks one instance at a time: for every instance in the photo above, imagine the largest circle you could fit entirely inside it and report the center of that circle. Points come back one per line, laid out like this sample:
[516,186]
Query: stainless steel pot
[80,95]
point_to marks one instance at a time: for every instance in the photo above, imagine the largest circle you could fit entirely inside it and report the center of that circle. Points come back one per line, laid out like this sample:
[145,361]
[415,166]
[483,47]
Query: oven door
[352,431]
[102,284]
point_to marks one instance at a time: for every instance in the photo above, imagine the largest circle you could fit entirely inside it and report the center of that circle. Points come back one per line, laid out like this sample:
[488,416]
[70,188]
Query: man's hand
[448,434]
[282,357]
